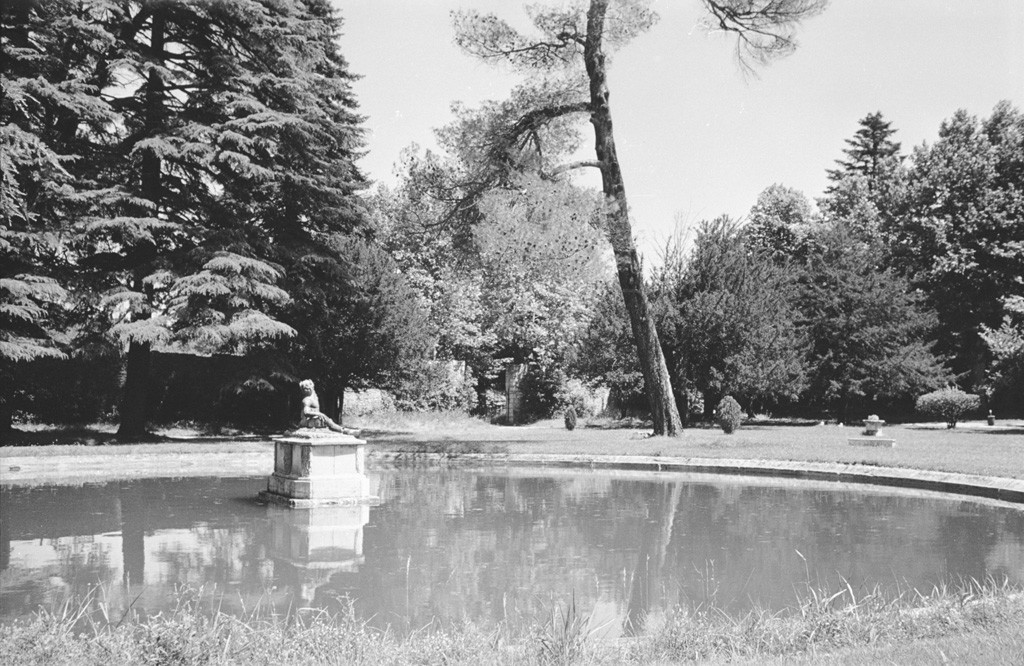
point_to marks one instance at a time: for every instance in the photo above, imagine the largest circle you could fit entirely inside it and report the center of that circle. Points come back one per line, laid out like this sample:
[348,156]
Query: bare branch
[500,153]
[537,118]
[581,164]
[764,29]
[490,38]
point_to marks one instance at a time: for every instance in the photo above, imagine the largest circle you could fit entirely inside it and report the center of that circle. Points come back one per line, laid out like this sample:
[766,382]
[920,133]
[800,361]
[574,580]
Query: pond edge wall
[29,470]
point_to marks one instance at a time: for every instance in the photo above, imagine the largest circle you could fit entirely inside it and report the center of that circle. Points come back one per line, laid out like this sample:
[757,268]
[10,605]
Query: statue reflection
[311,547]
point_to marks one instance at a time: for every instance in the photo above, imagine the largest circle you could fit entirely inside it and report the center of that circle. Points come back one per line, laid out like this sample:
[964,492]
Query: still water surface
[450,545]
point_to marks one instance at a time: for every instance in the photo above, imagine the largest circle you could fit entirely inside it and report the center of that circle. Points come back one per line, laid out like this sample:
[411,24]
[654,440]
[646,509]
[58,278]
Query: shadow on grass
[106,435]
[995,430]
[1000,431]
[62,436]
[790,422]
[627,423]
[449,448]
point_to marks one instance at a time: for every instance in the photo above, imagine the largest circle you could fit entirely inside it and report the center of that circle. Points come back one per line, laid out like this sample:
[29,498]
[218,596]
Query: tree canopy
[960,234]
[175,149]
[729,319]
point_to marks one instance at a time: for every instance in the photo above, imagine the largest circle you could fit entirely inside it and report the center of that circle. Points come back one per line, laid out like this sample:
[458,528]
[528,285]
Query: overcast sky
[696,139]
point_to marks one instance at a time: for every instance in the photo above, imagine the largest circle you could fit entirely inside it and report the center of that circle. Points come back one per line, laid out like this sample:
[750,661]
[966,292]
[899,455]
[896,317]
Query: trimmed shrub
[729,414]
[948,404]
[570,419]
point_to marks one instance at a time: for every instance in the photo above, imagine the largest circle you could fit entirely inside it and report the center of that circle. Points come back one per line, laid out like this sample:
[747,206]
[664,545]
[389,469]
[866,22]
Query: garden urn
[873,425]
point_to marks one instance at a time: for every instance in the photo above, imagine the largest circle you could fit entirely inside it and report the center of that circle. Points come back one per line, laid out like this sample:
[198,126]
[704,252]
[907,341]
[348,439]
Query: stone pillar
[514,375]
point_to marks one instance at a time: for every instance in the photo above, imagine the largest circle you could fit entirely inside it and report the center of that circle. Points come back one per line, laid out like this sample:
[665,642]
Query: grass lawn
[971,448]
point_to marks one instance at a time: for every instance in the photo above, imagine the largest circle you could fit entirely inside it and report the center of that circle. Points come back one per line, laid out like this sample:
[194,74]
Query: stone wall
[514,376]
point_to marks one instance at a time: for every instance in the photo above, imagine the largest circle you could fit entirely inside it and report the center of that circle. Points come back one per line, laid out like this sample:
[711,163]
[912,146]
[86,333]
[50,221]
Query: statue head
[306,385]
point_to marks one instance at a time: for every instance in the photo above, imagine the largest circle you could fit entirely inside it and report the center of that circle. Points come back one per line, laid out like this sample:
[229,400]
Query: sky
[697,138]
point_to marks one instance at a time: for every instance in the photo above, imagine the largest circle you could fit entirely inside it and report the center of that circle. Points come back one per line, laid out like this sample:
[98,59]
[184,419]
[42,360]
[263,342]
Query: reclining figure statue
[312,417]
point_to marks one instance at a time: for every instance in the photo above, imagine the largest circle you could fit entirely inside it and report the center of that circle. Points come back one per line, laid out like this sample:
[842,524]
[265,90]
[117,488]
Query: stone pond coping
[31,470]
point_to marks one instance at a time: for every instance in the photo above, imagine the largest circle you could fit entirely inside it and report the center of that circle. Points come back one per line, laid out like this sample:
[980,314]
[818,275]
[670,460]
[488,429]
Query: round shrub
[948,404]
[570,419]
[729,414]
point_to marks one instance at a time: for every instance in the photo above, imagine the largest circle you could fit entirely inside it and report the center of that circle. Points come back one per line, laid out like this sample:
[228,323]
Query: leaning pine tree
[570,53]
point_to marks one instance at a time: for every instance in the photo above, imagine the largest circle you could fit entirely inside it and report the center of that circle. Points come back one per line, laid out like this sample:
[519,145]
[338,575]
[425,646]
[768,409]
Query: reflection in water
[312,547]
[452,545]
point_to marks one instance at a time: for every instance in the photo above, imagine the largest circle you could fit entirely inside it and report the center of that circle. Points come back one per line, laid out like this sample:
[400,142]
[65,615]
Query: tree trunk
[711,400]
[332,401]
[154,113]
[844,404]
[133,535]
[683,405]
[657,382]
[19,13]
[6,417]
[136,385]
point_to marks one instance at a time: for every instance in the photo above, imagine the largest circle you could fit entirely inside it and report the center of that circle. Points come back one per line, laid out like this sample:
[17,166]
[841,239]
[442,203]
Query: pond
[454,544]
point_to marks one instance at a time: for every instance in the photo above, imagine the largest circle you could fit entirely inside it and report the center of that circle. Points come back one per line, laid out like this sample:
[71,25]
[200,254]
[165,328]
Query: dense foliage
[960,234]
[509,276]
[168,165]
[1006,344]
[868,330]
[729,319]
[360,322]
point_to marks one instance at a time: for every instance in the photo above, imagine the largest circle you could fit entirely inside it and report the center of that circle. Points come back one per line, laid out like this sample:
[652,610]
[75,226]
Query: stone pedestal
[314,467]
[872,435]
[871,441]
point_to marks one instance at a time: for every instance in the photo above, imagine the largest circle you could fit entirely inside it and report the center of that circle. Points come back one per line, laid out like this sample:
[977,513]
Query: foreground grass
[977,624]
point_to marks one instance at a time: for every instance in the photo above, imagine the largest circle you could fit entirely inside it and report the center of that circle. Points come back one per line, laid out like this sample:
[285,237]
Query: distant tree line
[908,276]
[860,302]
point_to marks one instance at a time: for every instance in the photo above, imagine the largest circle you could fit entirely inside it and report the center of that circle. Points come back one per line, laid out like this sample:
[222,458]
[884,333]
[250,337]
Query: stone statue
[312,417]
